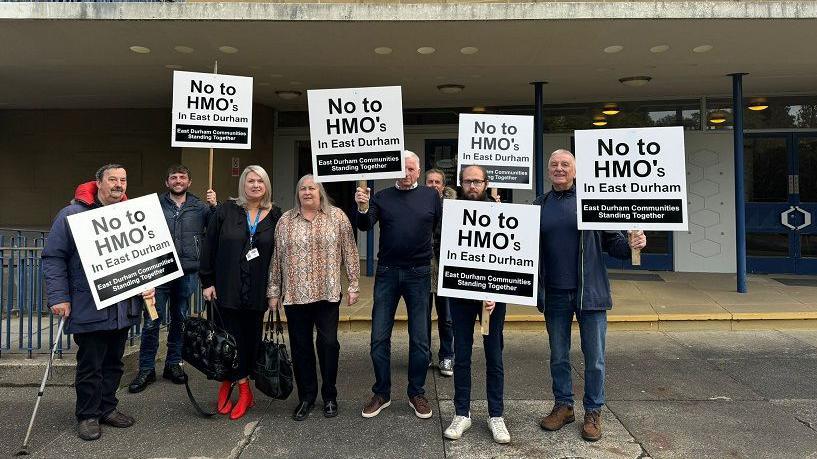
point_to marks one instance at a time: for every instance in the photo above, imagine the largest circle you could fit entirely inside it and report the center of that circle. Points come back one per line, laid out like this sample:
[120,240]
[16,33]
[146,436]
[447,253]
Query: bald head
[561,169]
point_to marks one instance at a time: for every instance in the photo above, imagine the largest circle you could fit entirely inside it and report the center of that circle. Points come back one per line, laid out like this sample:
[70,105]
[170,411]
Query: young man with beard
[474,180]
[187,218]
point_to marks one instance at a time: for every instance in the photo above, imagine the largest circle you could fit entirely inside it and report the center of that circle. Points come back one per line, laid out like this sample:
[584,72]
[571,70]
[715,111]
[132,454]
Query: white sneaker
[498,430]
[447,367]
[458,426]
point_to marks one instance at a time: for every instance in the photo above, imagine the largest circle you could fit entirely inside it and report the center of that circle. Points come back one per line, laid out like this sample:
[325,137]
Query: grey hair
[101,171]
[326,202]
[562,151]
[410,154]
[266,200]
[438,172]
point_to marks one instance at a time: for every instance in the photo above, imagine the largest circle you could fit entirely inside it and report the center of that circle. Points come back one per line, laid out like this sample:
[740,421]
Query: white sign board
[631,179]
[211,111]
[356,133]
[502,144]
[489,251]
[125,249]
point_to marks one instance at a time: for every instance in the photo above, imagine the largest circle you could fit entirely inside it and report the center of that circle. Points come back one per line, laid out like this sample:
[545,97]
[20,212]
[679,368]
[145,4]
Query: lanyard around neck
[253,226]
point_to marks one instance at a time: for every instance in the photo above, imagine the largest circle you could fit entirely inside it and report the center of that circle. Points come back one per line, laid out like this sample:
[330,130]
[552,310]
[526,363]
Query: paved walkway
[740,394]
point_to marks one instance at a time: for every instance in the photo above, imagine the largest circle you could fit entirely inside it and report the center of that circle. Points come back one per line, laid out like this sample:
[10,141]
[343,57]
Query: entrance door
[781,202]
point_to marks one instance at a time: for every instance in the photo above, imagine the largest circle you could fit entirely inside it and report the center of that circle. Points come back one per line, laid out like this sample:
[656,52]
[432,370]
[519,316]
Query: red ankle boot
[245,401]
[224,403]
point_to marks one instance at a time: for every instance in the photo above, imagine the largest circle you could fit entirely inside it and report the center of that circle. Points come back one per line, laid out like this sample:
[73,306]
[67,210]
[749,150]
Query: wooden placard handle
[485,323]
[635,254]
[362,184]
[150,305]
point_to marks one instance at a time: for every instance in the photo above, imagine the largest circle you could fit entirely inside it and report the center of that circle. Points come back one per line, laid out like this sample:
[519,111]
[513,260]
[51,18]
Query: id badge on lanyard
[253,252]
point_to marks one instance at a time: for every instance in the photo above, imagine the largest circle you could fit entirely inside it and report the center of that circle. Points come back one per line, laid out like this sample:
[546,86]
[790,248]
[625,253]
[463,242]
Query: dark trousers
[413,284]
[302,319]
[176,295]
[245,326]
[465,313]
[99,369]
[444,326]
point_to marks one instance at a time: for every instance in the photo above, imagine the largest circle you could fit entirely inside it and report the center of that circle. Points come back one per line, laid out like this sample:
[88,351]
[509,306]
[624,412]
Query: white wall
[709,245]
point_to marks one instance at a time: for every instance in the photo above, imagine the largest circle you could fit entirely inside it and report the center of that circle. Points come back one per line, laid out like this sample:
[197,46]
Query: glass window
[808,245]
[767,244]
[765,165]
[807,149]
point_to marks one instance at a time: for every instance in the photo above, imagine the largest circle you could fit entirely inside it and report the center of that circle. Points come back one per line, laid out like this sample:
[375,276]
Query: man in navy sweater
[573,281]
[408,215]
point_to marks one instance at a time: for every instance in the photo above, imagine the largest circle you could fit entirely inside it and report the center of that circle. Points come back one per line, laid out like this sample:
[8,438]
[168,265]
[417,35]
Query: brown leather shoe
[591,430]
[117,419]
[558,417]
[88,429]
[374,406]
[421,407]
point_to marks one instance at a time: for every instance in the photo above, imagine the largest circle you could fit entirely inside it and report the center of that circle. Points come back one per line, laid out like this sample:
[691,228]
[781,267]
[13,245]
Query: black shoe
[174,373]
[302,410]
[330,409]
[88,429]
[142,380]
[117,418]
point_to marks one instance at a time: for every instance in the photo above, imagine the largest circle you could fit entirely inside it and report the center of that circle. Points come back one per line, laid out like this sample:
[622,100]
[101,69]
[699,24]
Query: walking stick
[24,449]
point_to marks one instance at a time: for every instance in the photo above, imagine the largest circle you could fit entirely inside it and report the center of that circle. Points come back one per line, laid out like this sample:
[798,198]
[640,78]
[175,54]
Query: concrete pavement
[670,395]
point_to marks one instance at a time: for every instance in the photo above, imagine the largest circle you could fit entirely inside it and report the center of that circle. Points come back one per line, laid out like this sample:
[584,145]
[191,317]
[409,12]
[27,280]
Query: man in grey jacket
[100,333]
[187,218]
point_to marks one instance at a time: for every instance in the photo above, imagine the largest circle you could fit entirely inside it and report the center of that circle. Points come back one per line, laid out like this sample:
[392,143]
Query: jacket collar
[86,194]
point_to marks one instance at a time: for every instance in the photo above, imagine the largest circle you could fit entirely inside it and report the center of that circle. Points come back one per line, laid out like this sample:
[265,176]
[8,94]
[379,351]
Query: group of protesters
[249,257]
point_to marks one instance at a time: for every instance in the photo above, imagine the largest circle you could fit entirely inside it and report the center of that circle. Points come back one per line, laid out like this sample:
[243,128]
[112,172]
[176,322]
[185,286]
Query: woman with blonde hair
[312,241]
[235,260]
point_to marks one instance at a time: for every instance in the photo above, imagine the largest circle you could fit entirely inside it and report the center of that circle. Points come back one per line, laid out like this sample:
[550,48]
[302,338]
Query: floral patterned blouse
[306,263]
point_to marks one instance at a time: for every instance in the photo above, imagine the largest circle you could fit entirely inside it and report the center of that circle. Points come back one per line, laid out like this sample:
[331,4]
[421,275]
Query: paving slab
[803,410]
[774,378]
[642,345]
[529,440]
[806,336]
[715,429]
[55,417]
[739,344]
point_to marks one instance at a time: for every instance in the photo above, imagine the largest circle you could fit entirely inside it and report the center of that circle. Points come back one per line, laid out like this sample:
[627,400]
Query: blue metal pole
[740,203]
[370,241]
[538,141]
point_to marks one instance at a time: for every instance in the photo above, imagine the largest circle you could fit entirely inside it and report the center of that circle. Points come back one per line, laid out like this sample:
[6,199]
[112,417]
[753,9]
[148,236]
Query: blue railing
[27,325]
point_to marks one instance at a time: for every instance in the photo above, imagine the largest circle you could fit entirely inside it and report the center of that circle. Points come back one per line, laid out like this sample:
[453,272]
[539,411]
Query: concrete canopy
[71,56]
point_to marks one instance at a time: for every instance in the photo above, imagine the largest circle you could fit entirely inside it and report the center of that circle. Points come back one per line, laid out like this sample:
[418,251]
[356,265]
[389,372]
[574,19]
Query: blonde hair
[266,199]
[326,202]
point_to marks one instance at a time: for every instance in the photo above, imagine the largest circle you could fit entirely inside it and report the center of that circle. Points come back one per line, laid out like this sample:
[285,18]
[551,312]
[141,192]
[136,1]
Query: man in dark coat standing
[100,334]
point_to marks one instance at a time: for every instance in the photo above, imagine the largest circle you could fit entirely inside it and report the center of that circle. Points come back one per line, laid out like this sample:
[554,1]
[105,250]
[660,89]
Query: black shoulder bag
[209,349]
[273,369]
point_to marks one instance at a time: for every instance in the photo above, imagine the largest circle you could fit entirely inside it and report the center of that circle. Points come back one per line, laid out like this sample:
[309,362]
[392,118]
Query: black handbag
[209,349]
[273,369]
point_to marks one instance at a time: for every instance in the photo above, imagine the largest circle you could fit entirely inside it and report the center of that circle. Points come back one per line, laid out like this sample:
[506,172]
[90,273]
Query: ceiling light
[139,49]
[611,109]
[758,104]
[382,50]
[469,50]
[228,49]
[613,49]
[702,48]
[183,49]
[659,49]
[426,50]
[288,95]
[450,88]
[174,66]
[599,120]
[717,117]
[635,81]
[478,109]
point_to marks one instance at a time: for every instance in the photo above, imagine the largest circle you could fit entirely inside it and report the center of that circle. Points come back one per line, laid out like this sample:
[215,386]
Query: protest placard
[211,110]
[356,133]
[489,251]
[631,179]
[125,249]
[502,144]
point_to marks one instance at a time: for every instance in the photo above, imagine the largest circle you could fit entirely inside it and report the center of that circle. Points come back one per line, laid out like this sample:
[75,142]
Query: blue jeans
[413,284]
[176,295]
[444,326]
[464,313]
[560,305]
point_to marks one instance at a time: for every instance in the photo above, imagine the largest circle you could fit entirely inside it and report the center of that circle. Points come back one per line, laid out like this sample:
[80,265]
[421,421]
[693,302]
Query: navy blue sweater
[407,222]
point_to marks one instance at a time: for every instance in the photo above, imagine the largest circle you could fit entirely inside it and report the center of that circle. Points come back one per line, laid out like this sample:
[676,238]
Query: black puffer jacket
[187,224]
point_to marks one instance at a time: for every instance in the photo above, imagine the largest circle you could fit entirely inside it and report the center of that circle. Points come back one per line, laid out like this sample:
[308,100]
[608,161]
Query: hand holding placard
[636,244]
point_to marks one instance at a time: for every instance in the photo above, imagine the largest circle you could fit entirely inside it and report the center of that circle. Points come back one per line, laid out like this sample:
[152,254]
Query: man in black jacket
[187,218]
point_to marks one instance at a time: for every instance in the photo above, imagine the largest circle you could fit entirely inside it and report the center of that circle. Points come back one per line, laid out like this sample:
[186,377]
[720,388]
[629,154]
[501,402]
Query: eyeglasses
[467,183]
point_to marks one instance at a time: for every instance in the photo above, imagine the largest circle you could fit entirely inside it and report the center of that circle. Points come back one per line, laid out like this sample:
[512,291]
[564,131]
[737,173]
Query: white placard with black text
[489,251]
[211,111]
[631,179]
[356,133]
[502,144]
[125,249]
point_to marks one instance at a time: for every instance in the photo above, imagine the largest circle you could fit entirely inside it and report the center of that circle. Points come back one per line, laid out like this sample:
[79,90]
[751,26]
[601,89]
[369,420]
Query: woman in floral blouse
[312,240]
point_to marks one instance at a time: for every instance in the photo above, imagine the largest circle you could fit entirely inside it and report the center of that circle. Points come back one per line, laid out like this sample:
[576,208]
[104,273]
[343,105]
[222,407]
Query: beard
[473,196]
[177,193]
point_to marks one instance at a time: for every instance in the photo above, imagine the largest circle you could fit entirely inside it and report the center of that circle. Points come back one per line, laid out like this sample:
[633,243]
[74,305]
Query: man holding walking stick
[100,333]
